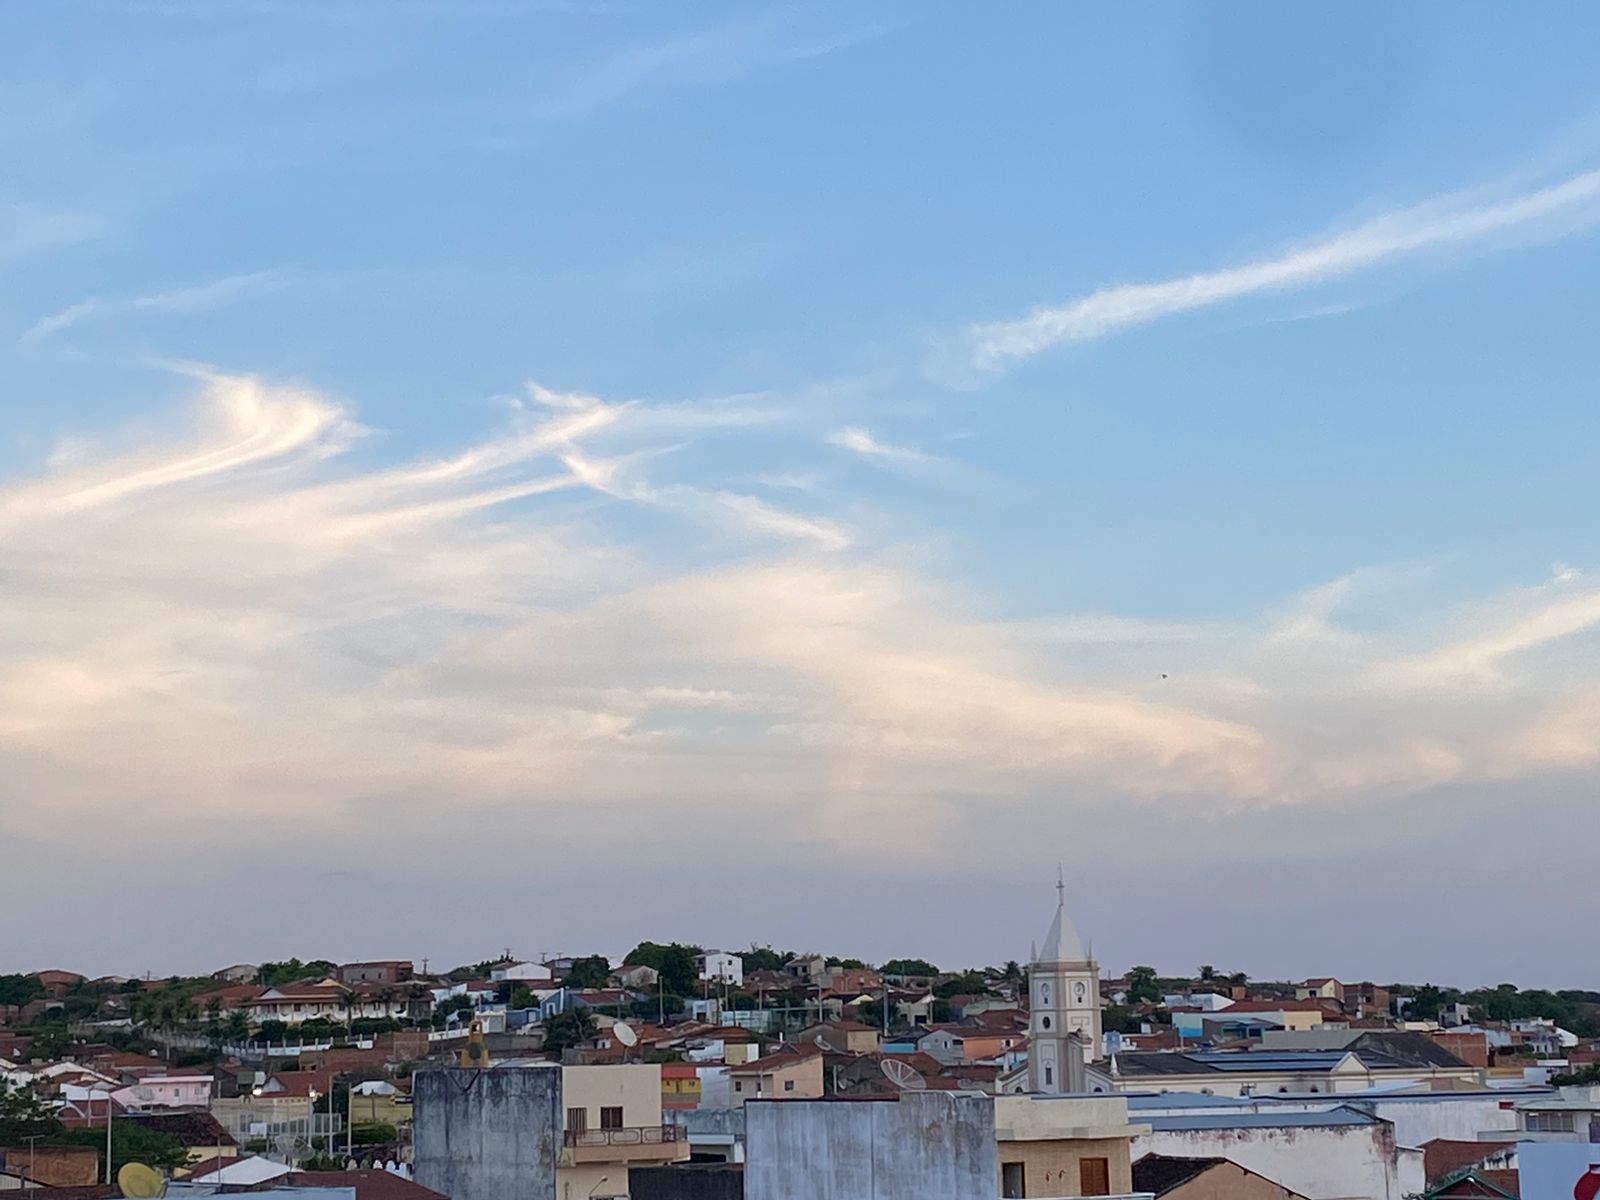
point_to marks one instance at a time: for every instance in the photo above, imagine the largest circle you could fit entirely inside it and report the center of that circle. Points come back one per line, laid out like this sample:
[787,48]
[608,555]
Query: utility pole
[33,1181]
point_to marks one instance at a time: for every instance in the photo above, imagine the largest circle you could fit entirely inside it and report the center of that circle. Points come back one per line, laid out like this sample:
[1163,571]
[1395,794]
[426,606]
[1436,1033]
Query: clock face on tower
[1079,991]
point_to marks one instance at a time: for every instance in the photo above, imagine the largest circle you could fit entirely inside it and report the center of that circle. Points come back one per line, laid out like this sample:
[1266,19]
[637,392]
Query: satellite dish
[903,1075]
[136,1179]
[625,1033]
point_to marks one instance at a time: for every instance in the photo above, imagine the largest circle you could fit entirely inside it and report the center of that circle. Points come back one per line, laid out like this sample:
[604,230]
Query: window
[611,1118]
[738,1086]
[1045,1022]
[1094,1177]
[788,1085]
[1013,1180]
[1049,1076]
[1549,1122]
[577,1120]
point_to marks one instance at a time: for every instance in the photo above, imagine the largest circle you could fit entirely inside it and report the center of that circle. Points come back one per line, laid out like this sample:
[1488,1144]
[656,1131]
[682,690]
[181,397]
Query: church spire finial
[1061,886]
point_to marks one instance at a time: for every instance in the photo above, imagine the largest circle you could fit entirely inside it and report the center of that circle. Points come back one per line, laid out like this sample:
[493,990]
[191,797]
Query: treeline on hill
[1574,1009]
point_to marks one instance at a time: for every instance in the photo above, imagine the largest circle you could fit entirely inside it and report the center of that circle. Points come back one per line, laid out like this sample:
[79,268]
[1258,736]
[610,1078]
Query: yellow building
[1064,1145]
[611,1121]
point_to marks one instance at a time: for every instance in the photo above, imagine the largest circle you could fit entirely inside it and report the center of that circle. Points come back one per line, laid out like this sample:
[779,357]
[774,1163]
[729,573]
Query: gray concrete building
[910,1147]
[487,1135]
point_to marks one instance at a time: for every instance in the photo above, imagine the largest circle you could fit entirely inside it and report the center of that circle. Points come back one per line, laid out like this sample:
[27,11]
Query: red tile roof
[1445,1156]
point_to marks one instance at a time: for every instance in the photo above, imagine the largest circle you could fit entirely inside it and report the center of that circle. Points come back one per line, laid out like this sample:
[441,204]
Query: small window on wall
[577,1120]
[788,1085]
[611,1118]
[1013,1181]
[1049,1076]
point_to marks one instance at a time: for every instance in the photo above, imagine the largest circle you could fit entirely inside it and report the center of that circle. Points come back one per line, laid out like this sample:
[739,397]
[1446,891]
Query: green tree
[591,971]
[1426,1003]
[131,1142]
[1012,973]
[1142,987]
[968,983]
[1207,973]
[568,1029]
[675,962]
[1121,1019]
[764,958]
[19,989]
[912,967]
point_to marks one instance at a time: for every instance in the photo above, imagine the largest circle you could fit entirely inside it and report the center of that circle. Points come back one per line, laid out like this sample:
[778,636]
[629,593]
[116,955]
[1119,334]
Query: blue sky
[761,454]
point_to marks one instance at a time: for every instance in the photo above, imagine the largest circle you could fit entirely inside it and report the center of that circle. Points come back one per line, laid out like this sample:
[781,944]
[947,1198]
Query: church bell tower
[1064,1030]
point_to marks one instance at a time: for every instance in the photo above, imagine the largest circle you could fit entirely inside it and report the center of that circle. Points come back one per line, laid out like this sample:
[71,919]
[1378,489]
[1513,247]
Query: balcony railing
[639,1135]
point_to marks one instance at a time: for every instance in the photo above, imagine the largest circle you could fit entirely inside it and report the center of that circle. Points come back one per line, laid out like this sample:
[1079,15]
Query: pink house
[166,1091]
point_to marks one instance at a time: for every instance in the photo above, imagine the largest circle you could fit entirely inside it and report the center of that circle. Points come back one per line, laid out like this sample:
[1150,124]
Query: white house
[1205,1001]
[166,1091]
[721,966]
[522,972]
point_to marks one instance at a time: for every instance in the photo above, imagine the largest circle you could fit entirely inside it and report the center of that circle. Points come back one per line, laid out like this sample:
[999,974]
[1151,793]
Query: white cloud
[1456,223]
[189,300]
[862,442]
[238,618]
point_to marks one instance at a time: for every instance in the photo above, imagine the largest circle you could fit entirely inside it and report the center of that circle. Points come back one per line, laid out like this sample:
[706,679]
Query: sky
[484,474]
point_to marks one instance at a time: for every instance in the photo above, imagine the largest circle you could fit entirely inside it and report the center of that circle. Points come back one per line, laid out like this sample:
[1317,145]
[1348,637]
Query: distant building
[612,1121]
[722,967]
[522,972]
[390,971]
[166,1091]
[1320,988]
[787,1075]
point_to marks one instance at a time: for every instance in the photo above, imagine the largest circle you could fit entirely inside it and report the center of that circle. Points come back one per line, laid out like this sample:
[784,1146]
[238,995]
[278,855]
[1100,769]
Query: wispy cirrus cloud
[187,301]
[866,444]
[715,54]
[27,229]
[1460,223]
[257,619]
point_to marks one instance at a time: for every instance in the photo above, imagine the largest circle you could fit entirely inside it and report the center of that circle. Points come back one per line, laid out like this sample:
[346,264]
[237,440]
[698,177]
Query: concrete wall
[1552,1170]
[487,1135]
[1322,1162]
[921,1145]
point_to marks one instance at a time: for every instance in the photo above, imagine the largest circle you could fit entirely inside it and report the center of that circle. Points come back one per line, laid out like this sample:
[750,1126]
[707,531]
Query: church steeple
[1061,944]
[1064,1006]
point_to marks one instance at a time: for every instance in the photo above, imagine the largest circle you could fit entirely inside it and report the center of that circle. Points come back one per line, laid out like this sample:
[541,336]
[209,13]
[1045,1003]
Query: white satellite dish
[903,1075]
[625,1033]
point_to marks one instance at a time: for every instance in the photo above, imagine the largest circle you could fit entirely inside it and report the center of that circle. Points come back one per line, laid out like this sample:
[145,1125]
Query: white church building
[1064,1028]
